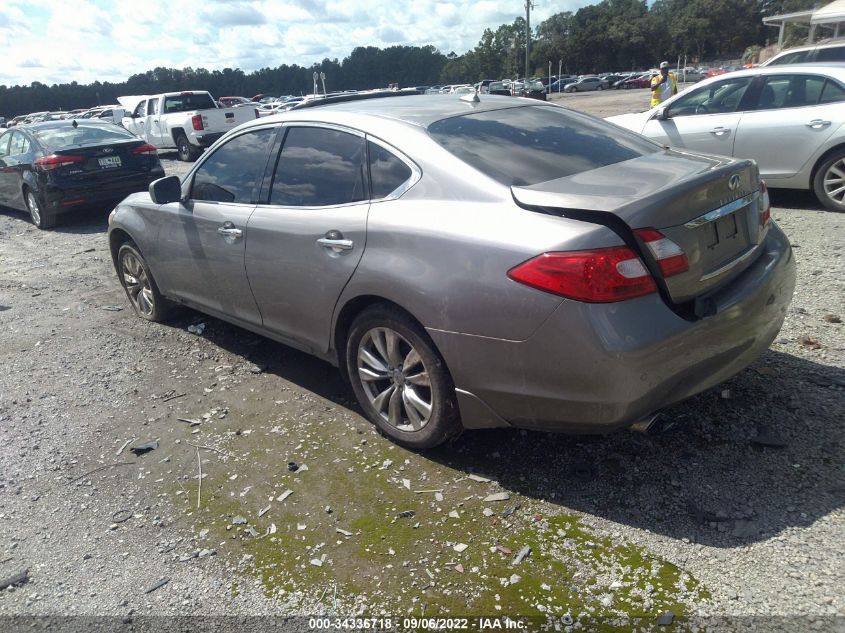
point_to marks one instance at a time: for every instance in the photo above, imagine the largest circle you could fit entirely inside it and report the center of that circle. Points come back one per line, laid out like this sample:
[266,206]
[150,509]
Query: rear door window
[531,144]
[140,108]
[233,172]
[319,167]
[790,91]
[832,54]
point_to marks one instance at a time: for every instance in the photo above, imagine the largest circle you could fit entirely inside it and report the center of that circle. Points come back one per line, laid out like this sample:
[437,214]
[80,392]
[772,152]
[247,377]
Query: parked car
[791,120]
[586,84]
[826,51]
[231,102]
[638,81]
[113,113]
[500,88]
[453,285]
[54,168]
[187,121]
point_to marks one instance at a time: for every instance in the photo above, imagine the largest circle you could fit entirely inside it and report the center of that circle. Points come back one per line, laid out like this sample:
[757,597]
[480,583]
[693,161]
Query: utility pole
[528,6]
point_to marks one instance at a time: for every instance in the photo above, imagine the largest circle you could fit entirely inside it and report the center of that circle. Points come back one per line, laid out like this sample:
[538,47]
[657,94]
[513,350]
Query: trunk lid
[709,206]
[106,162]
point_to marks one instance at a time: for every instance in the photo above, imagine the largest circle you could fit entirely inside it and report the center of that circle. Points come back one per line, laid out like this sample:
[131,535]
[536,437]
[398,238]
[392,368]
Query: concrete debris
[459,568]
[454,514]
[515,578]
[316,562]
[342,531]
[498,496]
[665,619]
[197,329]
[239,520]
[509,511]
[487,512]
[438,496]
[20,578]
[406,514]
[521,555]
[386,464]
[480,479]
[406,483]
[284,495]
[460,547]
[263,511]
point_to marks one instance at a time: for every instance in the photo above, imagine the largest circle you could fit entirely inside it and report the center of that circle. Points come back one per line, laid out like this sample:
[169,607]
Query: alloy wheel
[34,208]
[834,182]
[137,284]
[395,379]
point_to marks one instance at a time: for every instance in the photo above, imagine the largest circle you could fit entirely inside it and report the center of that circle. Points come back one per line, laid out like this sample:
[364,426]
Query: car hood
[632,121]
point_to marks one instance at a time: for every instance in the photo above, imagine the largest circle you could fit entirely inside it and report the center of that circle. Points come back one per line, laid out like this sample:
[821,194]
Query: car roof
[67,123]
[419,110]
[834,69]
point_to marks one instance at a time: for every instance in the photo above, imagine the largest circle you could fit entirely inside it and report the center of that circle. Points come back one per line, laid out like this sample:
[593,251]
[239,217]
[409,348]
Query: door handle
[230,232]
[720,131]
[817,124]
[337,245]
[335,241]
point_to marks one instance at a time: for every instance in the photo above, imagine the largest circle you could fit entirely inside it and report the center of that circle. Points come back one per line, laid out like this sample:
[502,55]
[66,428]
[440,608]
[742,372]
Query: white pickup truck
[187,121]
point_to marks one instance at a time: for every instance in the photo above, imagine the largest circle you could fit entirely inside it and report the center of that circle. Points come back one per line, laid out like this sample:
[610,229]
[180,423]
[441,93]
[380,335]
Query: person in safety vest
[663,85]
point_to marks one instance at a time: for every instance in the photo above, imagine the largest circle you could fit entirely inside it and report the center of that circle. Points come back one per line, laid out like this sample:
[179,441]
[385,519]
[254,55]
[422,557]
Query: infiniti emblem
[734,182]
[109,150]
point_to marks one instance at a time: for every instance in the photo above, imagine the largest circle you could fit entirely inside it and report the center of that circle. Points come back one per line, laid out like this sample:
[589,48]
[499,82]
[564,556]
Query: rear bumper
[207,140]
[593,368]
[71,196]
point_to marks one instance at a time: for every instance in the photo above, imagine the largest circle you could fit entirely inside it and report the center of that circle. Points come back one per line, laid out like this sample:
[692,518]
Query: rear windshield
[58,137]
[527,145]
[187,102]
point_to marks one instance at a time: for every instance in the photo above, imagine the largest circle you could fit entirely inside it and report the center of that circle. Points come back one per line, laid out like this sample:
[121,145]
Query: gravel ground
[734,511]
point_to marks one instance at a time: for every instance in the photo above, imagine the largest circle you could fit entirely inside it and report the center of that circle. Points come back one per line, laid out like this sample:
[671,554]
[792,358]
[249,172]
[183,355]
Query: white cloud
[55,41]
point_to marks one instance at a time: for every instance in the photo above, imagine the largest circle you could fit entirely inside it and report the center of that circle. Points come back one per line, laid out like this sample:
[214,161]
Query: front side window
[531,144]
[387,171]
[152,106]
[233,172]
[717,98]
[319,167]
[140,108]
[4,144]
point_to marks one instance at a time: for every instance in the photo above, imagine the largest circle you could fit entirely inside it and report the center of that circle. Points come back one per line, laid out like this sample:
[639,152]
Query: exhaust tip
[656,423]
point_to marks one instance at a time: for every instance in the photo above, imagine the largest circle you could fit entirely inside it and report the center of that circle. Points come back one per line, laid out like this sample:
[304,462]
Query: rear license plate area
[110,162]
[726,238]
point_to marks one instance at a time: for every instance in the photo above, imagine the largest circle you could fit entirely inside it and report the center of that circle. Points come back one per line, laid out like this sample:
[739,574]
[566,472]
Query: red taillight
[670,257]
[146,148]
[765,204]
[54,161]
[602,275]
[196,121]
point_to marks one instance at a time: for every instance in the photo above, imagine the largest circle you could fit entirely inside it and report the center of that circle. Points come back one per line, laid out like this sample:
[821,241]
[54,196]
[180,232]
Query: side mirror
[166,190]
[662,114]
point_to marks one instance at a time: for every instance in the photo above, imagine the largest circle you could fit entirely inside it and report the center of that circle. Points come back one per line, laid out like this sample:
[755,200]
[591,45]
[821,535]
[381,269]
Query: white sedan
[790,119]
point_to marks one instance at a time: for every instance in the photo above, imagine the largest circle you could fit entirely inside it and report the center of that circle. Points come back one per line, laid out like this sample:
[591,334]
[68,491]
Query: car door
[200,248]
[305,243]
[153,124]
[137,119]
[7,171]
[703,120]
[798,111]
[18,159]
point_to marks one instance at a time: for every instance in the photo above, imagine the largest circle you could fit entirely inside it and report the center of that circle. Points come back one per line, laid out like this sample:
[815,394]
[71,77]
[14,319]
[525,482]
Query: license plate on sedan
[109,162]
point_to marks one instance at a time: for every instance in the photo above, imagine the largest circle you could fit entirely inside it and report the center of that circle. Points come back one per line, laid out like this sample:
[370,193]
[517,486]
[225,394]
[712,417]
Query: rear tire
[400,379]
[139,284]
[186,151]
[37,213]
[829,182]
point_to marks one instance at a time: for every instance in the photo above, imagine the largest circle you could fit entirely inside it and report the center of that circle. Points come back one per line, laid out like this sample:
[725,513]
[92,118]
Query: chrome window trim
[727,209]
[731,264]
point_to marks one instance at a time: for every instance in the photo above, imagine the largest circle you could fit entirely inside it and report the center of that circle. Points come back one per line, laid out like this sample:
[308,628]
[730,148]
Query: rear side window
[83,134]
[319,167]
[791,58]
[790,91]
[832,54]
[188,101]
[387,172]
[234,171]
[19,145]
[832,93]
[526,145]
[4,144]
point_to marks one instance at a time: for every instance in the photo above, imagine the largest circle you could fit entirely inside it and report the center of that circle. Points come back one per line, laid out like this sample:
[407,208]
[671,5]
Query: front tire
[37,213]
[185,150]
[400,380]
[139,284]
[829,182]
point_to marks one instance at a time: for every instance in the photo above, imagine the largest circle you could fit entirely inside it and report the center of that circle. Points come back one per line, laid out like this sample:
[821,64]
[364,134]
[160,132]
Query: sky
[59,41]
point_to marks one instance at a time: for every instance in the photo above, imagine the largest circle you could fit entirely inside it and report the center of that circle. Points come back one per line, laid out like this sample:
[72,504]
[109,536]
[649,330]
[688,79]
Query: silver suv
[829,51]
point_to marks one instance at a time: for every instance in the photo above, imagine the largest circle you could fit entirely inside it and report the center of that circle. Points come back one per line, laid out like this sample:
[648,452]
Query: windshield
[59,137]
[527,145]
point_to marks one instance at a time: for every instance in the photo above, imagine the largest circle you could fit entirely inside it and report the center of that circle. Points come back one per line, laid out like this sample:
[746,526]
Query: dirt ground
[734,512]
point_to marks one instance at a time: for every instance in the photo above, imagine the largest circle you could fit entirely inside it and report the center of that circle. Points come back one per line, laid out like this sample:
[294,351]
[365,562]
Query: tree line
[610,35]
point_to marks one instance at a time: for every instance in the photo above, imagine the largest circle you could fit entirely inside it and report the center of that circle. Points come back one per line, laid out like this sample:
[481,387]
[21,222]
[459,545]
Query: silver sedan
[470,263]
[790,119]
